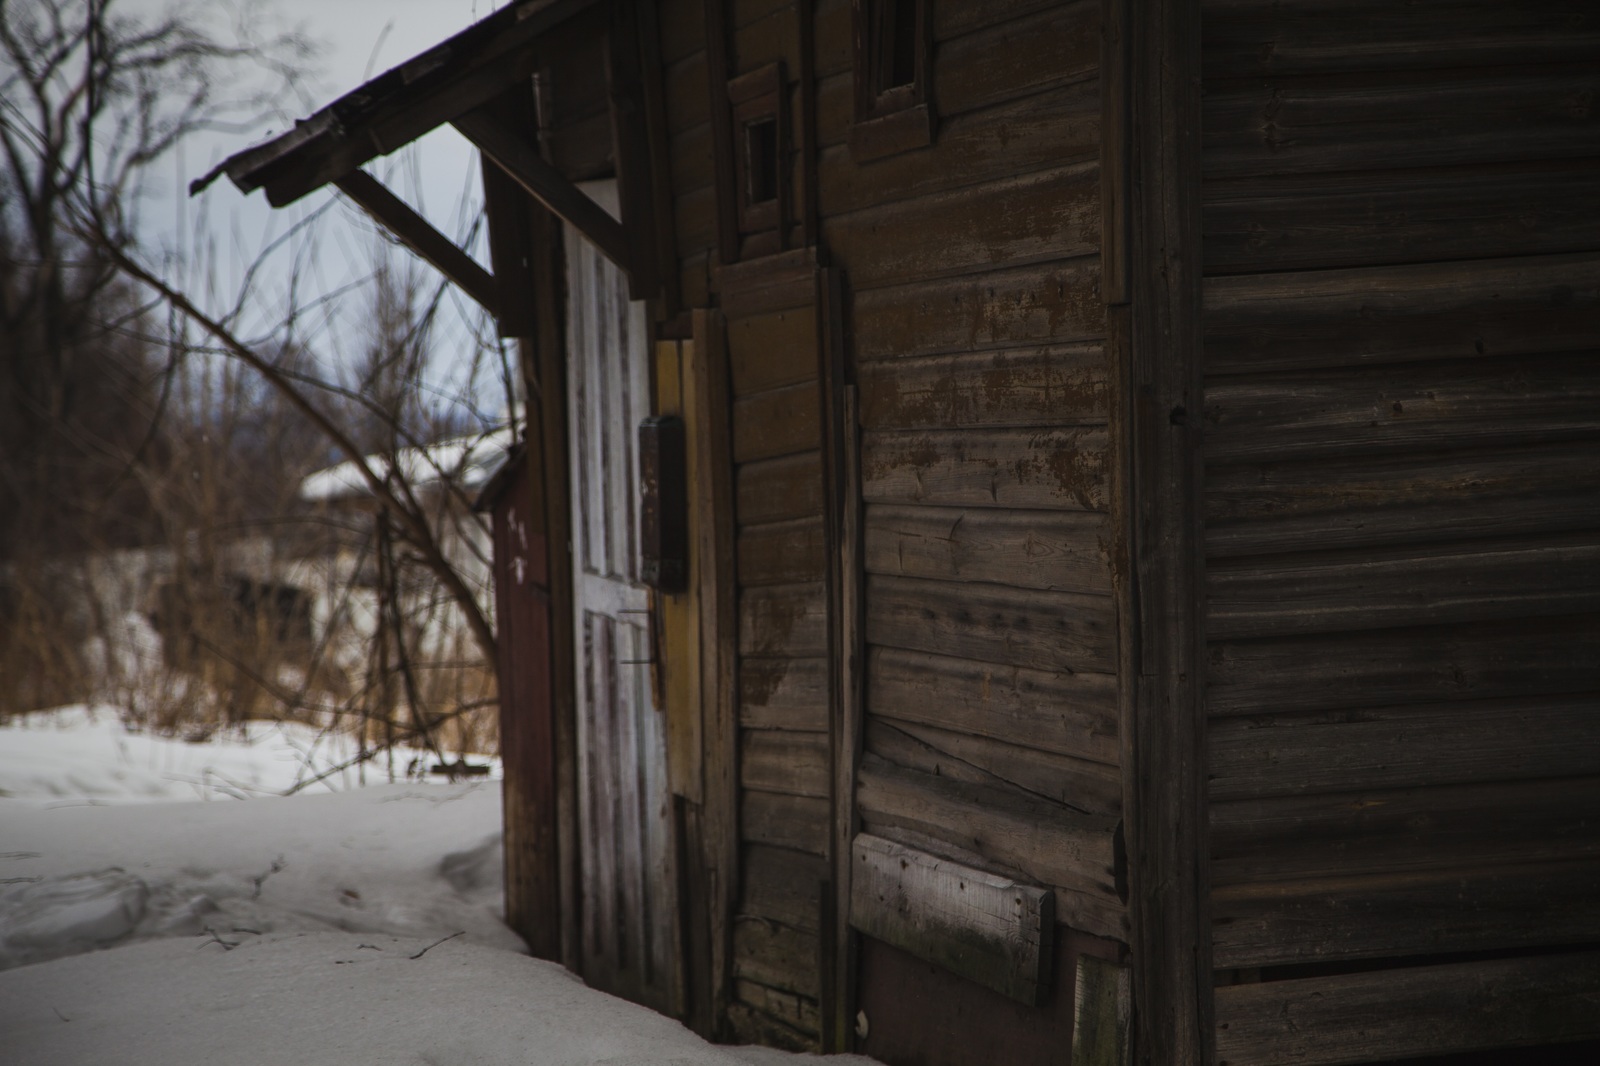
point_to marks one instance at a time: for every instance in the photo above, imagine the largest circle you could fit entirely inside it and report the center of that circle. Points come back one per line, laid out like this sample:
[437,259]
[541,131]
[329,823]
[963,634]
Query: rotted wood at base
[1355,1018]
[919,1012]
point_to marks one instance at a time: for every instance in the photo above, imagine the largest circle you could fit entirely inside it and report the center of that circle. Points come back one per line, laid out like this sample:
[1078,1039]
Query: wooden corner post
[1161,589]
[546,359]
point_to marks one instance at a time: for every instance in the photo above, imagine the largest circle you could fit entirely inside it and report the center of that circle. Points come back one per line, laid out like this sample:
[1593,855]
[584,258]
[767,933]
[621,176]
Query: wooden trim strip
[707,383]
[417,234]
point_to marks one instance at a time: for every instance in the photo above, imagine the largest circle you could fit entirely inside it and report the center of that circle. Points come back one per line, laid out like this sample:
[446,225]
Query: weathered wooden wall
[976,326]
[1401,317]
[773,356]
[978,336]
[773,351]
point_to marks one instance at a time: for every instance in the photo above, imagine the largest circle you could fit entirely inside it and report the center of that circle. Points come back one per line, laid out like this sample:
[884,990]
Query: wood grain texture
[1102,1013]
[1426,664]
[1082,785]
[1318,222]
[981,926]
[1021,56]
[778,553]
[999,625]
[694,218]
[1399,747]
[686,91]
[1014,387]
[1430,913]
[1414,498]
[763,1006]
[795,764]
[1044,842]
[1049,469]
[779,956]
[1064,551]
[771,490]
[1043,303]
[1394,121]
[1031,134]
[783,620]
[1426,1010]
[777,422]
[1330,318]
[1483,402]
[1250,38]
[796,822]
[782,886]
[706,388]
[771,350]
[783,693]
[1036,218]
[1159,518]
[1067,712]
[1427,585]
[1392,830]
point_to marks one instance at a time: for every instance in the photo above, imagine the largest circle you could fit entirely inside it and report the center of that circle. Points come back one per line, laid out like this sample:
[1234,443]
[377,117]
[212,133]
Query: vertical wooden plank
[544,360]
[523,671]
[807,121]
[1114,188]
[659,144]
[718,43]
[719,629]
[510,212]
[1162,708]
[679,613]
[631,145]
[684,650]
[848,653]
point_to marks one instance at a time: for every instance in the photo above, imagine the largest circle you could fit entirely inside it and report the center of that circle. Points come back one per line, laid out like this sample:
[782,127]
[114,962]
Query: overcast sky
[356,40]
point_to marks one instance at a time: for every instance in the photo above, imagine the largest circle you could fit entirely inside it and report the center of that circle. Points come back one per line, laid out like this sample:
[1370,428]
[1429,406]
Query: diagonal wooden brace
[416,233]
[518,158]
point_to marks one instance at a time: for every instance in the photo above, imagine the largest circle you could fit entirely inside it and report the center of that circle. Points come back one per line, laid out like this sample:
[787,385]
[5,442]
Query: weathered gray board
[976,924]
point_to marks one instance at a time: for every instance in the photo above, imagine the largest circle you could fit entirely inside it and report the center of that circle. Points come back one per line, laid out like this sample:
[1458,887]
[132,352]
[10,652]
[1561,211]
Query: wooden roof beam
[415,232]
[396,108]
[516,156]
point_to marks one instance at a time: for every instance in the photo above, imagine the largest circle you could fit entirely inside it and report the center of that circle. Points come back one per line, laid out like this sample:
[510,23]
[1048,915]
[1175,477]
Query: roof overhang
[480,81]
[461,73]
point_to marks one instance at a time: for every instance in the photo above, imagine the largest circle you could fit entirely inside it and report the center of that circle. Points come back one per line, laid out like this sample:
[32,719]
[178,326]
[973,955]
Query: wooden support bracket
[415,232]
[520,159]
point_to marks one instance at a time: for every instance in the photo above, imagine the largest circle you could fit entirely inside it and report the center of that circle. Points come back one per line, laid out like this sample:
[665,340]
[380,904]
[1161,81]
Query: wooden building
[1122,537]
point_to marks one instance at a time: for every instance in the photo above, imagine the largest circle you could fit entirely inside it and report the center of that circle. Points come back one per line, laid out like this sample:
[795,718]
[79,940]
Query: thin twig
[436,943]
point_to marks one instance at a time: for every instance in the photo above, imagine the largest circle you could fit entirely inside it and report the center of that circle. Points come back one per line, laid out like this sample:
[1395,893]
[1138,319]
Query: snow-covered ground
[344,924]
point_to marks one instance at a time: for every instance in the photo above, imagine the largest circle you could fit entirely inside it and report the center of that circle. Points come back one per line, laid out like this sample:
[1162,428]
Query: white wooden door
[624,803]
